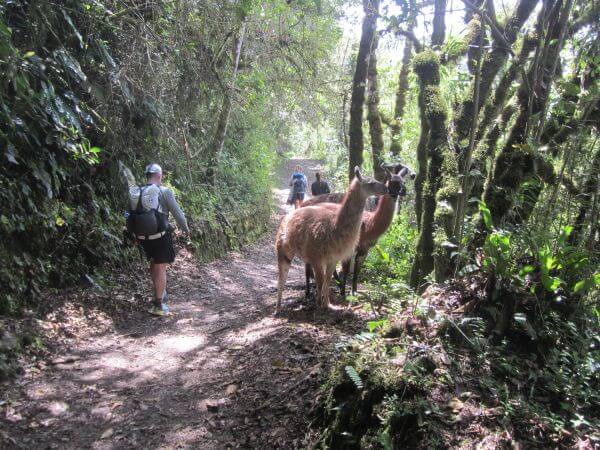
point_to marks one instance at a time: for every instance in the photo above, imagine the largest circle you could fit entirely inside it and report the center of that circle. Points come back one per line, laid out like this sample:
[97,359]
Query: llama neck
[383,215]
[350,215]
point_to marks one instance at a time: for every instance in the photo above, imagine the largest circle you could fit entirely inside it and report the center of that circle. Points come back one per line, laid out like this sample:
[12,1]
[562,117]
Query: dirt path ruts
[220,372]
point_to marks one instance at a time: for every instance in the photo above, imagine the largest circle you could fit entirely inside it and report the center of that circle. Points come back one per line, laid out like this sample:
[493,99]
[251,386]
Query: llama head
[395,183]
[400,169]
[367,185]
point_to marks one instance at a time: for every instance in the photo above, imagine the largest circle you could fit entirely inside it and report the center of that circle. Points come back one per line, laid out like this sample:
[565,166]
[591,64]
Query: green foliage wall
[86,84]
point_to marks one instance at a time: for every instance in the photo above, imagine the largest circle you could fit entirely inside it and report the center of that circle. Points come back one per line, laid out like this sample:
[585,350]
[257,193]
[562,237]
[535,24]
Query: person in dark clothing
[298,183]
[320,186]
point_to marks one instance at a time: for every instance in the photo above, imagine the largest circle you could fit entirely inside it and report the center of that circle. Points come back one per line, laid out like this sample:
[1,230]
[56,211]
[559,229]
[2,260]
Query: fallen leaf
[455,404]
[231,389]
[107,433]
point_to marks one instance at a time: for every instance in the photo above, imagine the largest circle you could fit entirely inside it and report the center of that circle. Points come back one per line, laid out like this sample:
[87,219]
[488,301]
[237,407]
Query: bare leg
[284,267]
[158,273]
[297,203]
[359,259]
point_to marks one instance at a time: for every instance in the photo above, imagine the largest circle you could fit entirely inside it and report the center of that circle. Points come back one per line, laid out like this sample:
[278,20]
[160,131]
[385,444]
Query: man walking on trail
[320,186]
[299,183]
[153,202]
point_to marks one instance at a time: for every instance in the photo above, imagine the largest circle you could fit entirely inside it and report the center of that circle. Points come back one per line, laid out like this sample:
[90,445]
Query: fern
[354,376]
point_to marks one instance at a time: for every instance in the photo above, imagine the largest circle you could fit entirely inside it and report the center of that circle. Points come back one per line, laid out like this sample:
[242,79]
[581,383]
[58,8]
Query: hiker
[299,183]
[320,186]
[149,222]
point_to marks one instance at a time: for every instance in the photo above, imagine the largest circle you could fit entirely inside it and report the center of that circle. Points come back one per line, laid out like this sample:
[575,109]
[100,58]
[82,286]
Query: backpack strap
[139,206]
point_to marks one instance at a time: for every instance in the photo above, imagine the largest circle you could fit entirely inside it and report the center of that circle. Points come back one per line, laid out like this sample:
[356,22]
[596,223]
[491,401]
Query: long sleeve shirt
[170,206]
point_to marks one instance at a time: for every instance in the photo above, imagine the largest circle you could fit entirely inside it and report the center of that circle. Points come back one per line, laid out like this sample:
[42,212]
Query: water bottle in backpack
[146,217]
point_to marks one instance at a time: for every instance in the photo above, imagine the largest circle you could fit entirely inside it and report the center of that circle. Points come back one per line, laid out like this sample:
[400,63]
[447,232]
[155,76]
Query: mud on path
[220,372]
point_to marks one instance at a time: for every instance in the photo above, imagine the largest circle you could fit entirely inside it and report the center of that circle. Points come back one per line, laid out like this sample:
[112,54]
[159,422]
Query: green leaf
[486,215]
[354,376]
[29,54]
[373,325]
[526,270]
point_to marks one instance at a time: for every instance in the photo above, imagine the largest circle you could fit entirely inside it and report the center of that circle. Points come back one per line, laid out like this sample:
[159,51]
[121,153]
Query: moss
[427,67]
[436,108]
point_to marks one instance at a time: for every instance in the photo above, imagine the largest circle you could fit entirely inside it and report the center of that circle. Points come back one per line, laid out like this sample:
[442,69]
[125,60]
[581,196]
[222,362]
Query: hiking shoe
[161,310]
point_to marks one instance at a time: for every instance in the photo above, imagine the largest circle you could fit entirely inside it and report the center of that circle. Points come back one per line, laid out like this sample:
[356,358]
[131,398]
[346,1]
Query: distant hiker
[320,186]
[148,221]
[298,183]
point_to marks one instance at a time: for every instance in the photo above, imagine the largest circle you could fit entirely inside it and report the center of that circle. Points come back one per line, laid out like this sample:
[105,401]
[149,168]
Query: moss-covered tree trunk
[400,101]
[373,117]
[516,161]
[502,93]
[426,65]
[356,142]
[492,64]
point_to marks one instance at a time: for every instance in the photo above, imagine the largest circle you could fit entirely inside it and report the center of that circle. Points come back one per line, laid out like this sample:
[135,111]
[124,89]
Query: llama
[323,234]
[374,223]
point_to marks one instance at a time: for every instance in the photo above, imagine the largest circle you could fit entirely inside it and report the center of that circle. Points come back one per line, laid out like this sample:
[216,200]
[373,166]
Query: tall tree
[427,67]
[223,122]
[373,116]
[356,140]
[400,99]
[516,162]
[493,61]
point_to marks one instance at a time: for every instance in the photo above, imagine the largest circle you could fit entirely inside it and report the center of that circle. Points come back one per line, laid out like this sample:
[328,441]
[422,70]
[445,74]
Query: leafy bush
[392,257]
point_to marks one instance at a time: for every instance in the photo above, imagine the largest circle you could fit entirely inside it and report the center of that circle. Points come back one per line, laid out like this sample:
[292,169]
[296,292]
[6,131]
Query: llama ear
[357,173]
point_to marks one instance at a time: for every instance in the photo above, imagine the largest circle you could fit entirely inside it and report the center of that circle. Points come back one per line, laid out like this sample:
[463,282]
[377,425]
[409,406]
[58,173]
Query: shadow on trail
[221,371]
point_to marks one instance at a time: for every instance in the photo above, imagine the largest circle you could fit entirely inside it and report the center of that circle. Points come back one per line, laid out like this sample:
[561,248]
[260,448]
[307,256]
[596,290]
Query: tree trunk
[492,63]
[356,144]
[493,108]
[223,122]
[400,103]
[589,191]
[439,23]
[375,128]
[421,160]
[516,163]
[426,65]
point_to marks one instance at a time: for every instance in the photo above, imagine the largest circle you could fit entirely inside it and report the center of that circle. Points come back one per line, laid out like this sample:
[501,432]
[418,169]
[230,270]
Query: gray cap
[153,168]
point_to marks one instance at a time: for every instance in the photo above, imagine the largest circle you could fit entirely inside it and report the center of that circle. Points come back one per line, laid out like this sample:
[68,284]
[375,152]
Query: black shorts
[298,196]
[161,250]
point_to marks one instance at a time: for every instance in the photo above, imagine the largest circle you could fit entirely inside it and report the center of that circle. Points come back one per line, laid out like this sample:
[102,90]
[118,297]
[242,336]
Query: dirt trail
[220,372]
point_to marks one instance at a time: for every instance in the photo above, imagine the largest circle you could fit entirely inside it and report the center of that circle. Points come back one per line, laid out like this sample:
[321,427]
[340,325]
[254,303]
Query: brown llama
[374,224]
[323,234]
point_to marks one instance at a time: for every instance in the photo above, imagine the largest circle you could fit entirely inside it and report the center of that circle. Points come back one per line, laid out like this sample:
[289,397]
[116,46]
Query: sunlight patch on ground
[253,332]
[181,344]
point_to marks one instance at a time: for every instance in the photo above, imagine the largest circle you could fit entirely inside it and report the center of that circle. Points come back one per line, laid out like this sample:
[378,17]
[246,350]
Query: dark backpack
[298,185]
[145,222]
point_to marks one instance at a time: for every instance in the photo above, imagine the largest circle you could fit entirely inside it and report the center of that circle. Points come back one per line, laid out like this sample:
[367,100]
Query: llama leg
[344,278]
[283,264]
[358,262]
[328,275]
[319,271]
[308,273]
